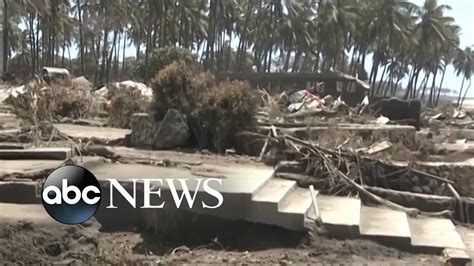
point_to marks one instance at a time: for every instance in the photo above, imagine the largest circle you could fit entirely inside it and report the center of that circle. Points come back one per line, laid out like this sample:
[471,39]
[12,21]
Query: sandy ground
[28,243]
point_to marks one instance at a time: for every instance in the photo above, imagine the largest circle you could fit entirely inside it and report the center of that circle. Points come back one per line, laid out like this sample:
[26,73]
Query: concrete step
[266,199]
[20,191]
[340,215]
[434,234]
[36,153]
[386,226]
[273,191]
[294,208]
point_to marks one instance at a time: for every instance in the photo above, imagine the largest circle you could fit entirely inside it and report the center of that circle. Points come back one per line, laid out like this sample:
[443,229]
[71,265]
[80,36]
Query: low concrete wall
[394,133]
[461,173]
[459,133]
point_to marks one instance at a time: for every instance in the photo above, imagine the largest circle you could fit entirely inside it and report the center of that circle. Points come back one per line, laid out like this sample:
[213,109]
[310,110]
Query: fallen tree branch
[432,176]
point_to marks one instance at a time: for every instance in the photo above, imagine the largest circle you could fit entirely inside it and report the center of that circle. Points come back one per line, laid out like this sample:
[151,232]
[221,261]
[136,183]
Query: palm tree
[464,64]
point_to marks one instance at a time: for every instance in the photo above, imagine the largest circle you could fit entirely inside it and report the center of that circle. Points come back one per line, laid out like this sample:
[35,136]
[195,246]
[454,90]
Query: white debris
[16,91]
[459,114]
[382,120]
[126,85]
[81,82]
[364,104]
[303,100]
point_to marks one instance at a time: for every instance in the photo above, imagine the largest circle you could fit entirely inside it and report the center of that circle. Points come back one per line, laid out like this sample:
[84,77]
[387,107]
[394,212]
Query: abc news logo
[71,194]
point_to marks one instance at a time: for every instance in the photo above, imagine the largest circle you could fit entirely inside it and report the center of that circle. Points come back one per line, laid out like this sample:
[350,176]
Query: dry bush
[55,101]
[215,112]
[178,86]
[40,105]
[123,104]
[34,108]
[68,102]
[223,111]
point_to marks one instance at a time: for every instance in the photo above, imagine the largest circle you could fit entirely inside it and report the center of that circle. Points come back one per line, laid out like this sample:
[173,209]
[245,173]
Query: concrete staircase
[254,195]
[280,202]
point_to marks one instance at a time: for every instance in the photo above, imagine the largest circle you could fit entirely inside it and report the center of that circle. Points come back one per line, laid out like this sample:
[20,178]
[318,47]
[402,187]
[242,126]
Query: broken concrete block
[453,256]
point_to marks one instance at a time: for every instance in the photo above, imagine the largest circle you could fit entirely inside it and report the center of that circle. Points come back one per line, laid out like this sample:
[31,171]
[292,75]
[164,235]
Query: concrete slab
[293,209]
[298,201]
[274,190]
[341,215]
[434,234]
[36,153]
[385,225]
[11,146]
[456,256]
[239,180]
[24,212]
[20,166]
[263,207]
[105,134]
[467,235]
[21,192]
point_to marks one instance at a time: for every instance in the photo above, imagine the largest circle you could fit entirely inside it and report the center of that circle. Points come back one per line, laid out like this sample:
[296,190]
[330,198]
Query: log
[423,202]
[432,176]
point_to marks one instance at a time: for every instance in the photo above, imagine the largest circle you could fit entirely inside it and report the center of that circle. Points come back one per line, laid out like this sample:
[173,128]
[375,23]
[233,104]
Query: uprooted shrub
[123,104]
[34,108]
[215,112]
[55,101]
[38,105]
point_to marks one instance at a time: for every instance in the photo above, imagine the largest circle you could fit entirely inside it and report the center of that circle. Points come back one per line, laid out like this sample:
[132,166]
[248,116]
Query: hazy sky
[463,12]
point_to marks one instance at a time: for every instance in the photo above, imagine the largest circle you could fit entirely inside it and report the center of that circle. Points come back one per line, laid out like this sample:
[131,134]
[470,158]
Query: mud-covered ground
[29,243]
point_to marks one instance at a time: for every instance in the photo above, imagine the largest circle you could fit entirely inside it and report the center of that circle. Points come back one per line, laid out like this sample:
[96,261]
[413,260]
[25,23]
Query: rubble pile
[341,150]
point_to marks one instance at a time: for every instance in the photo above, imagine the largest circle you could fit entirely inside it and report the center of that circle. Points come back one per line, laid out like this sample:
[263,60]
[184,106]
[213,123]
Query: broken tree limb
[264,148]
[458,200]
[432,176]
[377,199]
[318,219]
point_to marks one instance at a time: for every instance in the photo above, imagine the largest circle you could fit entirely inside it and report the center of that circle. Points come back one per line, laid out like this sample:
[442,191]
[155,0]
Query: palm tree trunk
[32,43]
[81,45]
[433,88]
[440,86]
[381,79]
[109,60]
[53,32]
[64,52]
[465,92]
[69,56]
[148,40]
[411,78]
[5,36]
[424,85]
[460,92]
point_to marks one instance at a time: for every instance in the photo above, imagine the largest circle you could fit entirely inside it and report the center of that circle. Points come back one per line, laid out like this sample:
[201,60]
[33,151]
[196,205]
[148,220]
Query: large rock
[173,131]
[144,130]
